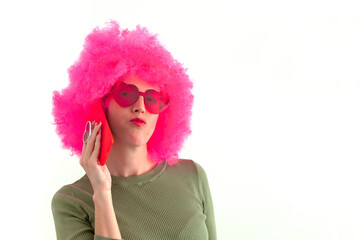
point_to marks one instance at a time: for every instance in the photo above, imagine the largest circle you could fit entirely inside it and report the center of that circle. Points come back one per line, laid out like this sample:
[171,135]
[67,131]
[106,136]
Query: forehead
[140,83]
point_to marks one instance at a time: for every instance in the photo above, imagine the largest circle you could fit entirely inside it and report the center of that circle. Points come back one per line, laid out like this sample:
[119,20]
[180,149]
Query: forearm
[106,224]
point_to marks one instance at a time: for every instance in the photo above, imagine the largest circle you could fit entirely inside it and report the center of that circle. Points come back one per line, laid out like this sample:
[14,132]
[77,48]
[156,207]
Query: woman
[144,191]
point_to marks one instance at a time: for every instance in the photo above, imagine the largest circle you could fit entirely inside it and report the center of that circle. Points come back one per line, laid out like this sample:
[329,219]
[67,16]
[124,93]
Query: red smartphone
[97,114]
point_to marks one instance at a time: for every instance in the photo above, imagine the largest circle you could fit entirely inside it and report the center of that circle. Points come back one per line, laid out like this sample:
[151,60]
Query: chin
[137,141]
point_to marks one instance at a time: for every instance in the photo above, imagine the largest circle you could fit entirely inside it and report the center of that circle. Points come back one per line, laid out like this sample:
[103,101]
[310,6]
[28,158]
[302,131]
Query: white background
[276,117]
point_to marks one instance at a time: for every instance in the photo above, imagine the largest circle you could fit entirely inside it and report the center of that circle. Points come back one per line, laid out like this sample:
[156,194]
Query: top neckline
[143,178]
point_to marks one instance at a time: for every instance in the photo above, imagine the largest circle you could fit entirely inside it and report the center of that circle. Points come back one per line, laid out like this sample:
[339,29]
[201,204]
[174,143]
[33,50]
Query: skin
[128,156]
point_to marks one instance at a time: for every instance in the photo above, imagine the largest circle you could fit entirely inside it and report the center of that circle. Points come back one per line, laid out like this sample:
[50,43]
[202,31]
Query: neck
[129,160]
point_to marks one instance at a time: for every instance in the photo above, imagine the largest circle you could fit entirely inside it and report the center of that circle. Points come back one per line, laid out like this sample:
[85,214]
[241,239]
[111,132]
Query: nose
[138,106]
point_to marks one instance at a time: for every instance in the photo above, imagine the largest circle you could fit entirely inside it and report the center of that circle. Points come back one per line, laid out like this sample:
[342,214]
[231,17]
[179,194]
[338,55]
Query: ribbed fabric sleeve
[207,202]
[168,202]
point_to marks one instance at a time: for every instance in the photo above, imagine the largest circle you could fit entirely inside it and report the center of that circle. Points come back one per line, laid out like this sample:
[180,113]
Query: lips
[138,120]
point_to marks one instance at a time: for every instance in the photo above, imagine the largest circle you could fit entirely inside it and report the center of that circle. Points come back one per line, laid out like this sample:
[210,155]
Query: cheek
[152,123]
[116,117]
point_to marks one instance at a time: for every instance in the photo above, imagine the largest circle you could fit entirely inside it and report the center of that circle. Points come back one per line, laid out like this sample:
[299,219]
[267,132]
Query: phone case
[97,114]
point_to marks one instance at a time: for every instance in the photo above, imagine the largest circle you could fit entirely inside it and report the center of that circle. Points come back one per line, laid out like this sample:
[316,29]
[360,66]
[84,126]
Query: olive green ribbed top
[168,202]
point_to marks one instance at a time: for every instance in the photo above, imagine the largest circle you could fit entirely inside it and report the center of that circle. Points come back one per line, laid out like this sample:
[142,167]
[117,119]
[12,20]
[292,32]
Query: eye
[126,93]
[151,100]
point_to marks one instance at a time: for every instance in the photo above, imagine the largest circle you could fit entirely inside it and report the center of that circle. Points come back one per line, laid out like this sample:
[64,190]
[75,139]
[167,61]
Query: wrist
[102,195]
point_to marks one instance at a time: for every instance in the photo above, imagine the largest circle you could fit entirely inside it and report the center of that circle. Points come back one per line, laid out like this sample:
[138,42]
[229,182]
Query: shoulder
[72,192]
[190,166]
[191,163]
[62,198]
[184,164]
[71,201]
[196,169]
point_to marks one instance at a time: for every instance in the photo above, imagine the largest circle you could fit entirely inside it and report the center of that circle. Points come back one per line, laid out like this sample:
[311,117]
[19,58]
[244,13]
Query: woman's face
[122,128]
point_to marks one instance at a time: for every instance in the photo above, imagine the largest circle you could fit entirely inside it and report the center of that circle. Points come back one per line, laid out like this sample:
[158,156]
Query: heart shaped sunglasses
[127,94]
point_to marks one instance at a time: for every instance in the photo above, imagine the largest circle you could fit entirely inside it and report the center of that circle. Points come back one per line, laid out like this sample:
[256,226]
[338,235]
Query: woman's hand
[105,222]
[98,175]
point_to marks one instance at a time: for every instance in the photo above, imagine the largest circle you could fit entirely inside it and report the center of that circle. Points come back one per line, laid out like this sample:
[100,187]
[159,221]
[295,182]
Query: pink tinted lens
[126,95]
[155,102]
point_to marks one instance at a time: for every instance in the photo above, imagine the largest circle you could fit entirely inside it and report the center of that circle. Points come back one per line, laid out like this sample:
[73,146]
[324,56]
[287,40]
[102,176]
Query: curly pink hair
[110,54]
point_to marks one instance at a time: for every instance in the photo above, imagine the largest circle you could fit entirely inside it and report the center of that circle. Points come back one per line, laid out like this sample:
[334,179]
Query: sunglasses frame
[162,94]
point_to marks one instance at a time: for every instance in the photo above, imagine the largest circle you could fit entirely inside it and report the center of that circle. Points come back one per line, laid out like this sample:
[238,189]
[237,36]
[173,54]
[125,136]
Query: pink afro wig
[110,54]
